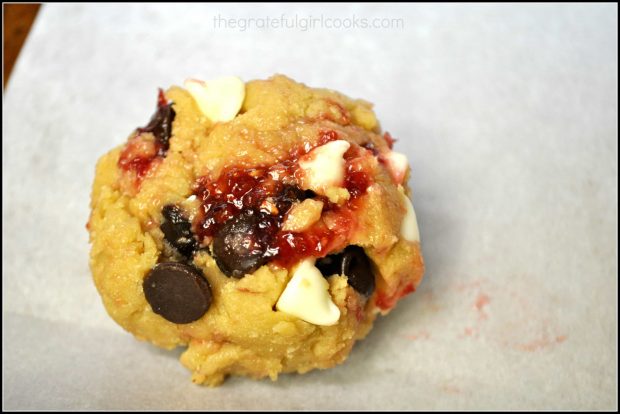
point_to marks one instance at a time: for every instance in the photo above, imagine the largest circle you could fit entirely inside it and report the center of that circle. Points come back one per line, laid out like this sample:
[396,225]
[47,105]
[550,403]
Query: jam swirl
[258,199]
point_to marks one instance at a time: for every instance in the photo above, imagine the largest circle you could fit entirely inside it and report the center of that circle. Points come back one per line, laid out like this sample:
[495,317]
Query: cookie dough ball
[262,225]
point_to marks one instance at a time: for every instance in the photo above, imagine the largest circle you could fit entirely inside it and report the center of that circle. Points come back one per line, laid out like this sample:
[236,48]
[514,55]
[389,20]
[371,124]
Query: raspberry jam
[385,302]
[238,190]
[389,140]
[268,193]
[317,241]
[141,154]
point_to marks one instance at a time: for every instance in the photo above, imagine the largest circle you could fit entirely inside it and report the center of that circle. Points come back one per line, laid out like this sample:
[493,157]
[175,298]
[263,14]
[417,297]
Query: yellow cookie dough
[280,126]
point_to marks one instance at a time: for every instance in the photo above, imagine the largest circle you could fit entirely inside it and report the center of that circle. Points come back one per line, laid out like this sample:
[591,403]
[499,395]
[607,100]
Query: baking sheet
[508,114]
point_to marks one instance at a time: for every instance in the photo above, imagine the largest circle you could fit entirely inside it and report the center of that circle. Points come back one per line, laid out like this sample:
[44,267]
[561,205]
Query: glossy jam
[270,192]
[319,240]
[139,156]
[141,153]
[238,190]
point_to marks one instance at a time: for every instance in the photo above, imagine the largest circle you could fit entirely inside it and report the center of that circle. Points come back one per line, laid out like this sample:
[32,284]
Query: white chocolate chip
[218,99]
[307,296]
[409,227]
[397,165]
[323,167]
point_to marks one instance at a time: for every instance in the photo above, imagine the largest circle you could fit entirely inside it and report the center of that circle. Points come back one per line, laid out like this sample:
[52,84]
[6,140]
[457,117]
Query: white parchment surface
[508,114]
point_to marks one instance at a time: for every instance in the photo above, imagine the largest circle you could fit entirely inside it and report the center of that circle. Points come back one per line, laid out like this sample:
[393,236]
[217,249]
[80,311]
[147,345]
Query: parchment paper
[508,115]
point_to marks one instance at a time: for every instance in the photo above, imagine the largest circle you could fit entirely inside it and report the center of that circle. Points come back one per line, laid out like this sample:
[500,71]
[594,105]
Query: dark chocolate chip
[289,195]
[239,247]
[178,292]
[308,194]
[160,124]
[330,265]
[178,230]
[354,264]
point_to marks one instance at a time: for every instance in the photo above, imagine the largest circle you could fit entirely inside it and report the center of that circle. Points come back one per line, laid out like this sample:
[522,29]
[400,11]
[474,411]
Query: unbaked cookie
[262,225]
